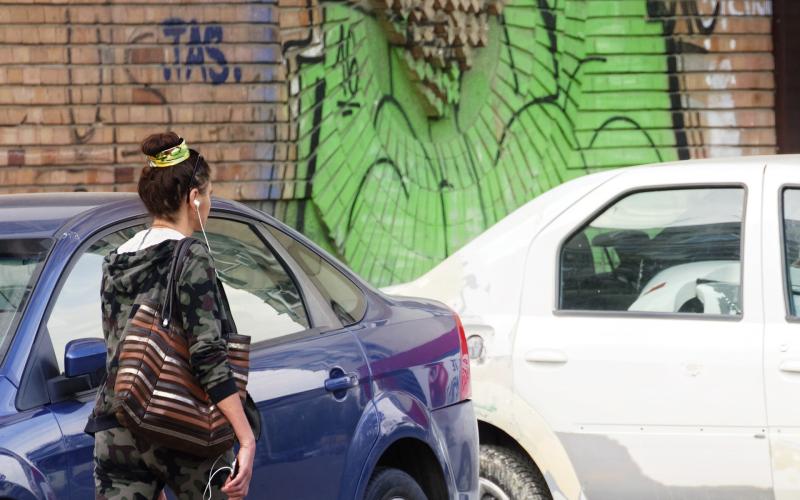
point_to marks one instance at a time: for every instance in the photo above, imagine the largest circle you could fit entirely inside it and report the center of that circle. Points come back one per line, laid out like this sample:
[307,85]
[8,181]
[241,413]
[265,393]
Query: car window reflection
[667,251]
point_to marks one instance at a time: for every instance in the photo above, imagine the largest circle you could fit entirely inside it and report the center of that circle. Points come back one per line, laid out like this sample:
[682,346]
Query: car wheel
[508,475]
[393,484]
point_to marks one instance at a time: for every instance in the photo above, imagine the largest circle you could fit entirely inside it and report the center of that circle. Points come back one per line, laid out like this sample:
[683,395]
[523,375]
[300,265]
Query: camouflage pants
[130,468]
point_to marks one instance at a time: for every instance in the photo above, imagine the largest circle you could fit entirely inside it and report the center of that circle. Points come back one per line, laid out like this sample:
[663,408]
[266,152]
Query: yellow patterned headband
[170,157]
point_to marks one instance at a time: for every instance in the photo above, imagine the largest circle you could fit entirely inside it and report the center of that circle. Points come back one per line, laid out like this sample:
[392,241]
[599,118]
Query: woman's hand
[233,410]
[238,486]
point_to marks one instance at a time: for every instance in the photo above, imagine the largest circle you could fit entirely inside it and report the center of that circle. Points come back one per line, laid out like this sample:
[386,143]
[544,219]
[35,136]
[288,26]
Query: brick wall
[420,123]
[82,83]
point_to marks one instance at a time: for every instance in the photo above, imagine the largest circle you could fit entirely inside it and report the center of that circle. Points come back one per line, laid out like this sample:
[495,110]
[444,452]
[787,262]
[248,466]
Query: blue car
[361,395]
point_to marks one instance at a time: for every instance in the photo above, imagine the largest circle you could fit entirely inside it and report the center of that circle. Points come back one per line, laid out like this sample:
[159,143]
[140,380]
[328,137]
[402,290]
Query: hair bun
[156,143]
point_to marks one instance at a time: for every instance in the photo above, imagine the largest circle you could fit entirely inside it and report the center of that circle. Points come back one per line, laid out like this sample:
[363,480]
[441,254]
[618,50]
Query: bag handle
[228,325]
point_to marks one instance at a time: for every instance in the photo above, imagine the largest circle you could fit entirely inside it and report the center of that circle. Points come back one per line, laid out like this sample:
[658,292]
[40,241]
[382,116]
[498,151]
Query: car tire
[508,475]
[392,484]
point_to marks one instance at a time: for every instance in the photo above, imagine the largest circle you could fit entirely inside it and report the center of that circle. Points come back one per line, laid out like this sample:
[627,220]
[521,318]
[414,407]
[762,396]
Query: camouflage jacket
[141,277]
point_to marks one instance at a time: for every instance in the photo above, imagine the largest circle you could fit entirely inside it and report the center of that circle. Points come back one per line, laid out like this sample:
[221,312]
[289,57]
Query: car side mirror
[85,357]
[84,366]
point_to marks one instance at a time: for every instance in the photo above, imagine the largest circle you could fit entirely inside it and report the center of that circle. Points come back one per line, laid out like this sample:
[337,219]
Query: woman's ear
[194,198]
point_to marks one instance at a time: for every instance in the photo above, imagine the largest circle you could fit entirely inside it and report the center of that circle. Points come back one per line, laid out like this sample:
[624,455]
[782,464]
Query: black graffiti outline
[390,99]
[510,52]
[549,18]
[550,21]
[316,124]
[350,76]
[664,11]
[668,11]
[633,122]
[380,161]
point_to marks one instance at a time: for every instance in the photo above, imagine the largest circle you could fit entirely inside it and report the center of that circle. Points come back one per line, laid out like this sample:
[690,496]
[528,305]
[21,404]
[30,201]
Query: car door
[308,374]
[637,342]
[782,317]
[33,456]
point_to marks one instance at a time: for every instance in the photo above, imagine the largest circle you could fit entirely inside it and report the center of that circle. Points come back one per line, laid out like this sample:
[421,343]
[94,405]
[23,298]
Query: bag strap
[175,269]
[228,325]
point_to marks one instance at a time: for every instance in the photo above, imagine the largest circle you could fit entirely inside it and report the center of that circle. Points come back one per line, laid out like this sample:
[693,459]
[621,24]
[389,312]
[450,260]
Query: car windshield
[19,263]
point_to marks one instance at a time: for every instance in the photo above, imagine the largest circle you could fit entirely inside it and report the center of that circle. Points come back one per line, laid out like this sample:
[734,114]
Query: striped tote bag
[157,395]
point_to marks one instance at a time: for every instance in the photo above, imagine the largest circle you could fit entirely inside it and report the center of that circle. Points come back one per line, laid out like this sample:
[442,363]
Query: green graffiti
[554,93]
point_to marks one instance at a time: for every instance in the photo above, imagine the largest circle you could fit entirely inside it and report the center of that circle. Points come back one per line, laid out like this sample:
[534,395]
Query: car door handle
[792,365]
[549,356]
[341,382]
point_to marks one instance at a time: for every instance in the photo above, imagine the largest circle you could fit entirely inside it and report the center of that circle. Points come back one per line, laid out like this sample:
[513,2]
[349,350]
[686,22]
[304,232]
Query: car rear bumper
[458,428]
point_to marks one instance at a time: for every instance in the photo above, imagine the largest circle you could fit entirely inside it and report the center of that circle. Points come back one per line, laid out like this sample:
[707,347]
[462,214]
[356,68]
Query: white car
[634,335]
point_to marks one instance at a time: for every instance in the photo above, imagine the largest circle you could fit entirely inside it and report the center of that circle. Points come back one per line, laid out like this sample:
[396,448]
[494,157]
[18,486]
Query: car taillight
[465,385]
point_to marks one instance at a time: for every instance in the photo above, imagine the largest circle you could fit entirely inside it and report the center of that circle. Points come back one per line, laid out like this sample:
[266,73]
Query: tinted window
[675,251]
[344,297]
[265,301]
[791,244]
[76,313]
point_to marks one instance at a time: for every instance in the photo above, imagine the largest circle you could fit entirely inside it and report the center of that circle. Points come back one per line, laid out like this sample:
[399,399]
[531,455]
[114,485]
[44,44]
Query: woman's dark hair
[164,189]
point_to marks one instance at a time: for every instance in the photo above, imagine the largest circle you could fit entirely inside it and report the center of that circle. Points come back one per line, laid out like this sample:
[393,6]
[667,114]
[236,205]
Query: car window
[342,295]
[666,251]
[791,246]
[264,298]
[20,260]
[265,302]
[76,313]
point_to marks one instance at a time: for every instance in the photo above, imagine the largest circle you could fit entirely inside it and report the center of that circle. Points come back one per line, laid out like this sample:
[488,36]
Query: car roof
[573,188]
[41,215]
[754,162]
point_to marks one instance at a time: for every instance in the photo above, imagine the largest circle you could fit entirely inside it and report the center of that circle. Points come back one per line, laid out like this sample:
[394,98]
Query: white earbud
[197,203]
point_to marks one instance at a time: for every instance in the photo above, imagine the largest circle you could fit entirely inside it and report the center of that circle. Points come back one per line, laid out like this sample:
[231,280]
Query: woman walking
[176,189]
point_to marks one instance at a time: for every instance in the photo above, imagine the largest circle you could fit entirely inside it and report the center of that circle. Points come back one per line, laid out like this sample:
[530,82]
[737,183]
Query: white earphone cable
[202,228]
[211,477]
